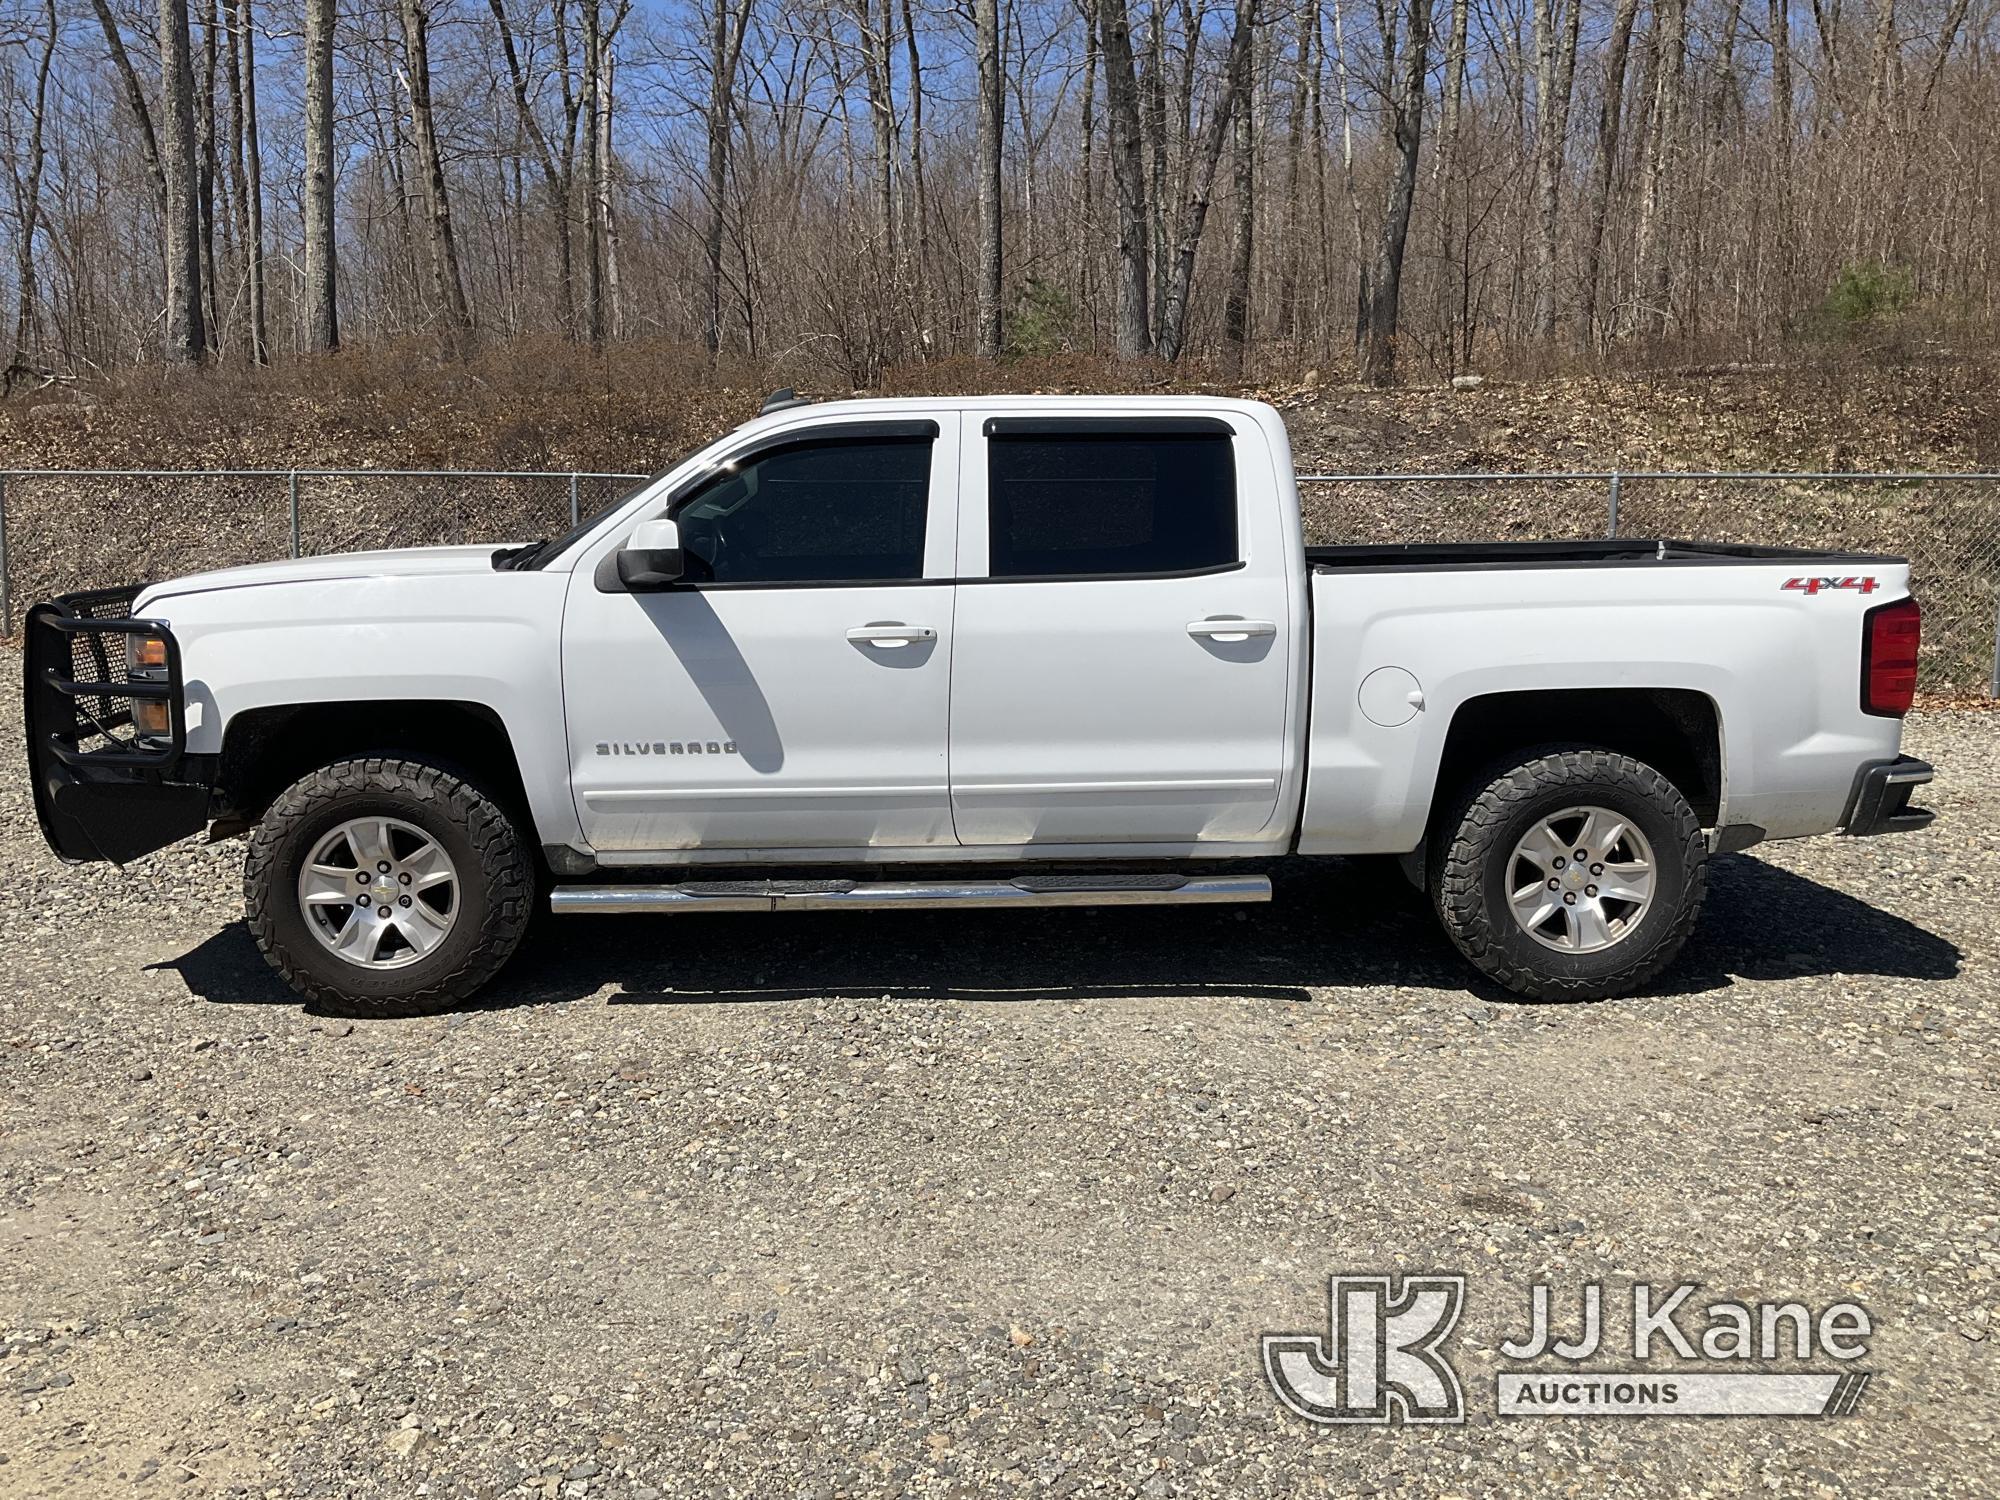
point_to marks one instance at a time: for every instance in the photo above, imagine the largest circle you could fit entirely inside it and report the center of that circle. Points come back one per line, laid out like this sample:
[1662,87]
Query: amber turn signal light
[152,716]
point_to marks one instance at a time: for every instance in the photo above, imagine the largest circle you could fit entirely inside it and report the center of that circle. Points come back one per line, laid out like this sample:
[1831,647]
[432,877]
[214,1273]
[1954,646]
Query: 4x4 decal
[1814,585]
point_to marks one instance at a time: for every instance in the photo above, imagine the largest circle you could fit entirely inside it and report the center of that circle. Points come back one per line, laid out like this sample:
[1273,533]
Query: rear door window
[1119,499]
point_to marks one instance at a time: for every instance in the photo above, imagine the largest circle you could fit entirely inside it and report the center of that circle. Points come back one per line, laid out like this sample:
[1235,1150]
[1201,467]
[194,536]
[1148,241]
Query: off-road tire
[496,885]
[1470,874]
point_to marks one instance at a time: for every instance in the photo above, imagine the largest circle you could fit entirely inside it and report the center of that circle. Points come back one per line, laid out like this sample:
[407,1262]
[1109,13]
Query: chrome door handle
[890,633]
[1223,628]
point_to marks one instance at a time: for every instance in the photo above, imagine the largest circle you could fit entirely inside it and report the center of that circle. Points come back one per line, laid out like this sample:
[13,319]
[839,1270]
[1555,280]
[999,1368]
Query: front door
[1124,662]
[793,691]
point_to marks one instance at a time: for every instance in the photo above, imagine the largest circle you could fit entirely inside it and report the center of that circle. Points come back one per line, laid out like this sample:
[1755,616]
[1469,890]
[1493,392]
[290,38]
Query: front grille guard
[79,694]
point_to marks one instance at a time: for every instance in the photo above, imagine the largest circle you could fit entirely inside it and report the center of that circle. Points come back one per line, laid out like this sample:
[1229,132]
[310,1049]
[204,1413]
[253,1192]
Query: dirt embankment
[547,406]
[637,409]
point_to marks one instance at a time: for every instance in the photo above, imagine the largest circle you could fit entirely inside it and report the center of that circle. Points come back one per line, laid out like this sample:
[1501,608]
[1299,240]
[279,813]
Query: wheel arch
[1676,731]
[266,749]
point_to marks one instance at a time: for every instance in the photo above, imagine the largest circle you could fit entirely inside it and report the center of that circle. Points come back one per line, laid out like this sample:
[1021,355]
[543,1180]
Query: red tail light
[1889,636]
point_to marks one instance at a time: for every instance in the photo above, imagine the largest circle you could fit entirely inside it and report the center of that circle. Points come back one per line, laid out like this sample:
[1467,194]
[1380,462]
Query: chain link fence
[68,529]
[62,530]
[1947,525]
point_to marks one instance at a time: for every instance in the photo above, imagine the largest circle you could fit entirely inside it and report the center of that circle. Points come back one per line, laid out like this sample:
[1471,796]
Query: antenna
[778,400]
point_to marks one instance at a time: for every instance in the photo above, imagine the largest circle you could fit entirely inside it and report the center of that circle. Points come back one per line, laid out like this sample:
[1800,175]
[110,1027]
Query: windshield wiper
[516,559]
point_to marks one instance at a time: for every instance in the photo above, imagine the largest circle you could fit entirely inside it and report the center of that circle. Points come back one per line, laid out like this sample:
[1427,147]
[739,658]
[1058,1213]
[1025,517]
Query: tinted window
[832,511]
[1110,504]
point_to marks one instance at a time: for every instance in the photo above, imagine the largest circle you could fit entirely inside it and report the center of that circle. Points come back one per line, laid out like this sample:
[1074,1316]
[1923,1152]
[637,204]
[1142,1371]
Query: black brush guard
[102,791]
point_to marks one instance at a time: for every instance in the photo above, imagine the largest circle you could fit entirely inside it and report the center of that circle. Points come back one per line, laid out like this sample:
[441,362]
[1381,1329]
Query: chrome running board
[910,895]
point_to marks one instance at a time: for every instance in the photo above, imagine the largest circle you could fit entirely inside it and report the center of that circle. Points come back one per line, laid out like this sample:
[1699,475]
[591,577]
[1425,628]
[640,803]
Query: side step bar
[910,895]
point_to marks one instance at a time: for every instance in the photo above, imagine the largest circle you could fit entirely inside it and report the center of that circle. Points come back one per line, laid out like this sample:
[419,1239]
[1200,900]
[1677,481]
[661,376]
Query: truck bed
[1596,552]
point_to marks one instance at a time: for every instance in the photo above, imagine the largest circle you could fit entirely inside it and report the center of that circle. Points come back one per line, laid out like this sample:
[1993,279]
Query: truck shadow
[1333,925]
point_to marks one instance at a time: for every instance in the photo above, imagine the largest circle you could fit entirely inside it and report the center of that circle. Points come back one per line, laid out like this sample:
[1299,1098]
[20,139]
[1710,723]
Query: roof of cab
[795,412]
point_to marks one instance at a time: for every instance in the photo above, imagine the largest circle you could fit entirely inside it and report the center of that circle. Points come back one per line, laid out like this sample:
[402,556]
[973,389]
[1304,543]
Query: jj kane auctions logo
[1382,1358]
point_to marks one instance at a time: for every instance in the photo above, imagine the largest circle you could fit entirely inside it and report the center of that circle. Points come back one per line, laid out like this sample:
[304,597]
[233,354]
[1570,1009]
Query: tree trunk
[1385,289]
[918,205]
[1555,72]
[322,300]
[1291,260]
[877,44]
[1444,167]
[135,98]
[992,127]
[1199,185]
[206,162]
[447,284]
[1654,240]
[1243,226]
[1128,175]
[556,174]
[725,51]
[1153,123]
[1609,118]
[614,291]
[1086,202]
[252,192]
[187,333]
[30,205]
[593,257]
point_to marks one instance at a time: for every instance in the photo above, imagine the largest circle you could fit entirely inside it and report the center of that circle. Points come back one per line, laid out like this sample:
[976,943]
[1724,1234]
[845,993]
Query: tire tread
[504,867]
[1489,809]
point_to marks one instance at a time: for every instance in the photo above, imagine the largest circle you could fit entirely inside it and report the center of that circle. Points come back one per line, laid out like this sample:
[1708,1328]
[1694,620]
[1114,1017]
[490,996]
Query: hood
[404,562]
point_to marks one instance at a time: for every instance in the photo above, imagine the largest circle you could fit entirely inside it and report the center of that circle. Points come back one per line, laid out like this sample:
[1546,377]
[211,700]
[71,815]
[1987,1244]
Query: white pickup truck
[1011,651]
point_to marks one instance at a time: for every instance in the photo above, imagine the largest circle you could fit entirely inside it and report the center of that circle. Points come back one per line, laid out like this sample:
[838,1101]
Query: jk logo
[1381,1359]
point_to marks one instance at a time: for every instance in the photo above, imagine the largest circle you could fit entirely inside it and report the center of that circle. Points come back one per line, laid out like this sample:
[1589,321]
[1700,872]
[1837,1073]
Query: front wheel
[386,887]
[1574,874]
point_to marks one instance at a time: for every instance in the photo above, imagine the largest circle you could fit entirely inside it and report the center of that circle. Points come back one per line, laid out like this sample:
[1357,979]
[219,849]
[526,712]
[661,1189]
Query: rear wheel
[1573,874]
[386,887]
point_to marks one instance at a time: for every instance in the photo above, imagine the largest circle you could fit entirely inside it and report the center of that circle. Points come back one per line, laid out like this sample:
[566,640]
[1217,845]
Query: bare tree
[1555,71]
[728,27]
[1609,115]
[206,173]
[1243,223]
[250,170]
[322,329]
[841,185]
[135,97]
[991,131]
[593,251]
[556,161]
[1655,255]
[1199,182]
[607,222]
[28,195]
[447,283]
[1128,176]
[187,333]
[1383,297]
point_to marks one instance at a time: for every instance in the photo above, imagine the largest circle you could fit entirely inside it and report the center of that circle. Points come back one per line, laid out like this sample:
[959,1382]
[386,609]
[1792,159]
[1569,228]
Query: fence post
[292,488]
[6,594]
[1611,510]
[1994,693]
[575,514]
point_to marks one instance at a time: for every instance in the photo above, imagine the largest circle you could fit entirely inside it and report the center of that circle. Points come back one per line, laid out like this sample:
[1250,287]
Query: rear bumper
[1880,801]
[102,791]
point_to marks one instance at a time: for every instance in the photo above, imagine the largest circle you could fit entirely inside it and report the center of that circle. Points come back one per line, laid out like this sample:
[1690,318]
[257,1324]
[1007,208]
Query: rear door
[1124,658]
[792,691]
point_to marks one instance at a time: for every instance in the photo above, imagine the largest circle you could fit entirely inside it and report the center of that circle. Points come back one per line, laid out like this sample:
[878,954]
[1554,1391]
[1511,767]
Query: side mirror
[652,559]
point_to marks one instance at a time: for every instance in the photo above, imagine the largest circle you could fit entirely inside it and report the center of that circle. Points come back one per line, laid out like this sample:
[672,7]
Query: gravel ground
[968,1204]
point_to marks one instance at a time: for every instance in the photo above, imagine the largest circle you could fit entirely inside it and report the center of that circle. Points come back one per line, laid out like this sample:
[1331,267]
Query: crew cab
[1004,651]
